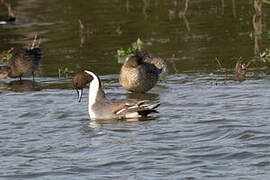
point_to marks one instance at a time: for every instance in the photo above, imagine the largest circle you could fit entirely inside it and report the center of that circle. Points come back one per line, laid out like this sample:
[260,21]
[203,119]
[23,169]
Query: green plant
[136,48]
[6,58]
[64,72]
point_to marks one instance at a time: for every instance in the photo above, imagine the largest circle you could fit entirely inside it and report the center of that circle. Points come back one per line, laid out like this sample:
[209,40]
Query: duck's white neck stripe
[93,91]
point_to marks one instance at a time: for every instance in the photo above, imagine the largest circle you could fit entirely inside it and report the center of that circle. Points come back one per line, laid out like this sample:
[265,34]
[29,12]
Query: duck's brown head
[80,80]
[4,71]
[133,61]
[241,68]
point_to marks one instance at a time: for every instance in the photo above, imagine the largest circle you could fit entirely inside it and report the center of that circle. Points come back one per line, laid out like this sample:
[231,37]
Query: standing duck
[102,108]
[141,73]
[22,62]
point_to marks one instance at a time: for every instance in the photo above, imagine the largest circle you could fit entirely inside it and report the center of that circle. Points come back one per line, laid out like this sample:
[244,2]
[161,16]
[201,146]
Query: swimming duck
[7,19]
[10,18]
[140,73]
[22,62]
[102,108]
[240,70]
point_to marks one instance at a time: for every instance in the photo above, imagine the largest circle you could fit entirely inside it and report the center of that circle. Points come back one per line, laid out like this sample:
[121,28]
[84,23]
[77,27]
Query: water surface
[210,125]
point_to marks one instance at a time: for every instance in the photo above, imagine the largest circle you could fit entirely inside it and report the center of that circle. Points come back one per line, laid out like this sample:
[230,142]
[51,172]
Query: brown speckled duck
[102,108]
[159,62]
[22,62]
[141,73]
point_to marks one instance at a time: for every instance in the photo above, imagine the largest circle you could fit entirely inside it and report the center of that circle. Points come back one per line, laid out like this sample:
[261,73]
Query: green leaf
[136,47]
[7,58]
[139,44]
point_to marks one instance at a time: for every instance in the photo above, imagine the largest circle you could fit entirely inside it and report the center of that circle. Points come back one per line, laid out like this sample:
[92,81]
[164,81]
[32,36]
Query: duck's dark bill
[79,92]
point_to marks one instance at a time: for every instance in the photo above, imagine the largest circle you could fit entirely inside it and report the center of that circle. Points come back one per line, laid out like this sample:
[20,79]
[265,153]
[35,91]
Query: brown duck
[141,73]
[240,70]
[22,62]
[159,62]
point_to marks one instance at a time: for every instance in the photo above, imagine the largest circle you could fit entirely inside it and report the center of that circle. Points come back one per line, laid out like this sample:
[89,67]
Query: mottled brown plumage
[4,71]
[22,62]
[159,62]
[139,73]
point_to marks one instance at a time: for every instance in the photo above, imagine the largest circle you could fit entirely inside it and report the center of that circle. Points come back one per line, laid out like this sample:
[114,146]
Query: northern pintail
[102,108]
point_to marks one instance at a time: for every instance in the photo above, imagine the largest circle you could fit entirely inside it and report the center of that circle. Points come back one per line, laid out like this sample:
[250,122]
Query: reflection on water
[95,124]
[144,96]
[209,125]
[19,86]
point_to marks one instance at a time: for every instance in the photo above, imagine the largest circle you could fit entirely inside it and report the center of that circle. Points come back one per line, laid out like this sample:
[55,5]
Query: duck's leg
[20,78]
[33,75]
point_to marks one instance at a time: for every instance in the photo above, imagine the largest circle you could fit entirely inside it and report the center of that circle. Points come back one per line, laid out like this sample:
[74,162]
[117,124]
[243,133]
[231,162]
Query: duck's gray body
[102,108]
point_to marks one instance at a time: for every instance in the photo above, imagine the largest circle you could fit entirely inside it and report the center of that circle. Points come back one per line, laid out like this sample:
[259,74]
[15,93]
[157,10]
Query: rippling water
[209,124]
[203,130]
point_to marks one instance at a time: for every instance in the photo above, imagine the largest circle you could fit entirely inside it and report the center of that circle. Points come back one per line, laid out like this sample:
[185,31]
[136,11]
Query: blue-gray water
[209,124]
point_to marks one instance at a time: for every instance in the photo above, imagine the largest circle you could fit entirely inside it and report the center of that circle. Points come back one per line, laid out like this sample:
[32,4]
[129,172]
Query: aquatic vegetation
[6,58]
[64,72]
[265,56]
[136,48]
[6,55]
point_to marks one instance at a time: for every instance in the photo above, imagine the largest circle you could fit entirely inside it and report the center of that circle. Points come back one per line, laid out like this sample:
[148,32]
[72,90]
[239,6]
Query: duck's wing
[135,110]
[35,55]
[19,63]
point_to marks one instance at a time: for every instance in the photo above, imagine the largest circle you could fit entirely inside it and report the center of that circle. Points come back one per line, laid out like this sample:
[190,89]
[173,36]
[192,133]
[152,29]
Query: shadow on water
[38,84]
[142,96]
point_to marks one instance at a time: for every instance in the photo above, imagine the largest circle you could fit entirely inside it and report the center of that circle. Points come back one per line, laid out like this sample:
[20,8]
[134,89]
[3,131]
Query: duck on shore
[102,108]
